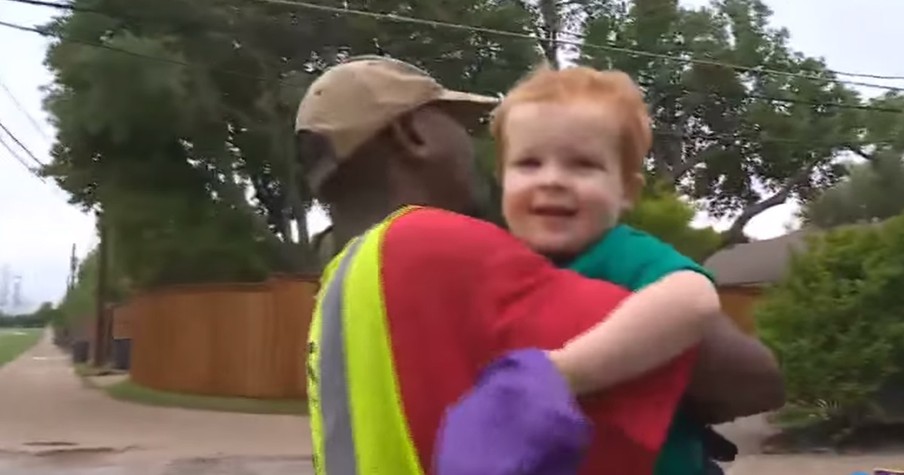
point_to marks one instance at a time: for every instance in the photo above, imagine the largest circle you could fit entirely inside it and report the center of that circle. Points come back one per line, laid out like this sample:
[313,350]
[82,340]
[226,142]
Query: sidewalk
[45,408]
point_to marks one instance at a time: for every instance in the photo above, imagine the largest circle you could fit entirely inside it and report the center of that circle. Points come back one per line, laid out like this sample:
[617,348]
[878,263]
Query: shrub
[836,322]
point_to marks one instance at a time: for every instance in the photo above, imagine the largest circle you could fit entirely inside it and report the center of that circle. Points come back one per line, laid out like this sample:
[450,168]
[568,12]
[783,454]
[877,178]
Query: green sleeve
[632,259]
[669,261]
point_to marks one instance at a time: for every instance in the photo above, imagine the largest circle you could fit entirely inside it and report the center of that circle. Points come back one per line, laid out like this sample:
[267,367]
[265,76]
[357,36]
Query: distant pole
[100,327]
[17,292]
[4,286]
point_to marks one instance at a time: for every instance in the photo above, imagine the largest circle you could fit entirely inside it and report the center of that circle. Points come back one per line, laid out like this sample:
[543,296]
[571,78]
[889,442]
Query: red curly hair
[588,85]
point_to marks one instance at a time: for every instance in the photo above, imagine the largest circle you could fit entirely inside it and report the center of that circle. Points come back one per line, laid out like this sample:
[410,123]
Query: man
[422,299]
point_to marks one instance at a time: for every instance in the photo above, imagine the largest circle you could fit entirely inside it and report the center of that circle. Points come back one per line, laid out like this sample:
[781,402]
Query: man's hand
[735,376]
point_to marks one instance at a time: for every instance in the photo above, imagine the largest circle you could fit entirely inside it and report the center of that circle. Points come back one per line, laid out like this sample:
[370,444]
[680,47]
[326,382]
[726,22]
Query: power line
[259,78]
[714,137]
[513,34]
[612,48]
[22,162]
[788,100]
[21,145]
[24,111]
[55,189]
[520,35]
[16,156]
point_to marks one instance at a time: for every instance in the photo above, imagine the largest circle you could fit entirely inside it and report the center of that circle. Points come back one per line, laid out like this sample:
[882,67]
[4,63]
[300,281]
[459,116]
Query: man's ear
[633,189]
[409,134]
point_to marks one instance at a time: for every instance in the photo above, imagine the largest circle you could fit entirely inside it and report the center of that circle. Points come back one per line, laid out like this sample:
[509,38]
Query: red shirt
[460,292]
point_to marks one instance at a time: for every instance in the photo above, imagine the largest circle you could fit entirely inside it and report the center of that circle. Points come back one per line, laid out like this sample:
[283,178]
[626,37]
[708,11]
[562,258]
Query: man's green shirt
[634,259]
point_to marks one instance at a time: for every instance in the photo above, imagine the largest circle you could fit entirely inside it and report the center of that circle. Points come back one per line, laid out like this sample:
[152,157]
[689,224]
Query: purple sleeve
[520,418]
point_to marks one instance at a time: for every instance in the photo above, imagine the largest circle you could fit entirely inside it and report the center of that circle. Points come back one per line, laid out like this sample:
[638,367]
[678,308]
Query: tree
[873,191]
[154,131]
[170,151]
[874,188]
[736,140]
[196,116]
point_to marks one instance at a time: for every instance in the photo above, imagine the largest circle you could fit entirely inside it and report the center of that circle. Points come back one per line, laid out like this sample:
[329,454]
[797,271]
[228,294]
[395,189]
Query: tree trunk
[547,27]
[735,233]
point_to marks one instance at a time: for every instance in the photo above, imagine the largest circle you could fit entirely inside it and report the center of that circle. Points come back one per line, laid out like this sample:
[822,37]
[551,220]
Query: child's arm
[675,310]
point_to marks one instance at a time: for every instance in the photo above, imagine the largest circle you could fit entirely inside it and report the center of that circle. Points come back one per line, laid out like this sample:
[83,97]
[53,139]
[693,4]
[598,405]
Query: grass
[128,391]
[14,342]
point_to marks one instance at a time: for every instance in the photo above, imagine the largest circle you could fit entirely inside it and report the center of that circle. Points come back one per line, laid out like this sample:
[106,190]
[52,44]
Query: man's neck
[346,226]
[561,259]
[355,220]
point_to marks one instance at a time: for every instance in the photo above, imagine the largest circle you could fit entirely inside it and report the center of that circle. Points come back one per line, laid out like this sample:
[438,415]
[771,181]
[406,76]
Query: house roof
[758,262]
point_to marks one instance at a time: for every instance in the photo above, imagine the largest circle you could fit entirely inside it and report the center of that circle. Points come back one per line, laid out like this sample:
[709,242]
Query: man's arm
[521,300]
[507,298]
[735,376]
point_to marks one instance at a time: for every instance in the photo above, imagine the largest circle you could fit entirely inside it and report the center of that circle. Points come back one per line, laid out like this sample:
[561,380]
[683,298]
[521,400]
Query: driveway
[750,432]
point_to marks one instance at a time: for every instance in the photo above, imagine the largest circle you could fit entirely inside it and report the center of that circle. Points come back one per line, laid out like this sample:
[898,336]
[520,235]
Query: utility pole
[100,324]
[73,269]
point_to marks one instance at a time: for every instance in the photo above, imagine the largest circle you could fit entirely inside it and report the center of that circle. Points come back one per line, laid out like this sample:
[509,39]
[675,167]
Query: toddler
[571,146]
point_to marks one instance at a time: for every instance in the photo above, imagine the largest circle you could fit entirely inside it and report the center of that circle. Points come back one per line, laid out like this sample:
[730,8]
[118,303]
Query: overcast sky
[38,227]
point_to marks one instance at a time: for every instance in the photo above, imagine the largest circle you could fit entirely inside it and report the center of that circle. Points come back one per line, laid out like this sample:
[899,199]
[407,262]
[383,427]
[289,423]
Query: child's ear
[633,189]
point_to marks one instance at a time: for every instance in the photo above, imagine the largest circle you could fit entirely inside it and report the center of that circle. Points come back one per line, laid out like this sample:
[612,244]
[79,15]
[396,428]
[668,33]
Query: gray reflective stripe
[338,442]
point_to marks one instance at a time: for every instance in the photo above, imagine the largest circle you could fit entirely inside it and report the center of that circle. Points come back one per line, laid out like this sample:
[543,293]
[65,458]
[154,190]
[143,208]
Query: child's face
[562,179]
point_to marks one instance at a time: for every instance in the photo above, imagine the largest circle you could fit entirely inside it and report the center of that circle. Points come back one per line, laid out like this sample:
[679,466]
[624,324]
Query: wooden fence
[226,340]
[249,339]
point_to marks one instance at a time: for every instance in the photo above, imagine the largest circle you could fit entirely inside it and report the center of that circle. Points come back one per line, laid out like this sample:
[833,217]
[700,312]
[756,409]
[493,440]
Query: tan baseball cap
[351,102]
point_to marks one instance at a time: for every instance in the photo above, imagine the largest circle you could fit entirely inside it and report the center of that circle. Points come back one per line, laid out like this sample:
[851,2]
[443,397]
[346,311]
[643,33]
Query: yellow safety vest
[358,422]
